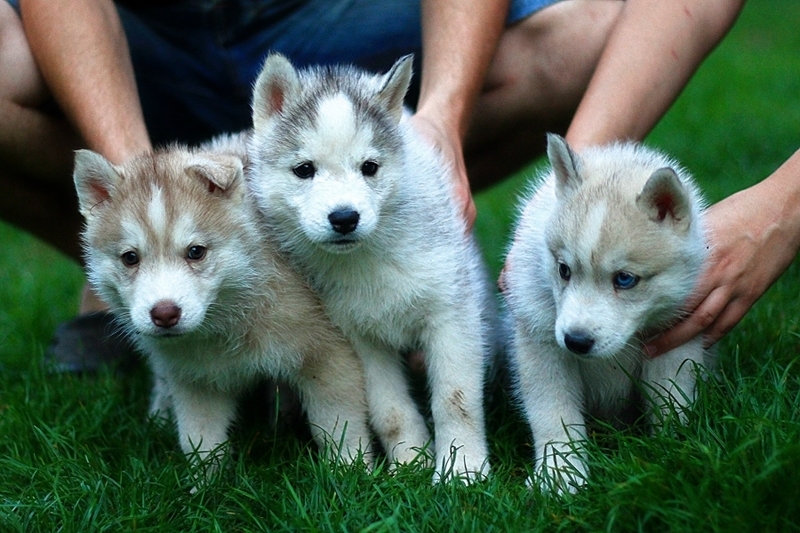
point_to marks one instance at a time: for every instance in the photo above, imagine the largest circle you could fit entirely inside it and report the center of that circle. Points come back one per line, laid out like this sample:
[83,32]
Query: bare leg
[36,157]
[36,152]
[35,147]
[93,82]
[539,74]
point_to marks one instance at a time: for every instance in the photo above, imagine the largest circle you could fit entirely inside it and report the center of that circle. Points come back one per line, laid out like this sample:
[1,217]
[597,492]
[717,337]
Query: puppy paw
[562,472]
[403,455]
[465,466]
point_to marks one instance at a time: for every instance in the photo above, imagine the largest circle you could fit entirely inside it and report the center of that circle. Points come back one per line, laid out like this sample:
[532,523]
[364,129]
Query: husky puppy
[365,210]
[175,247]
[607,250]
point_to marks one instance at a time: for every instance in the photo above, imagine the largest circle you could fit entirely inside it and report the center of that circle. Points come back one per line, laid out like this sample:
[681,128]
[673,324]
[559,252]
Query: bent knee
[21,82]
[538,60]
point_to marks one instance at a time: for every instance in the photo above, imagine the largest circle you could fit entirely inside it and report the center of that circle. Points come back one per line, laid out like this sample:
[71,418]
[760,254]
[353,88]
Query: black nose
[578,342]
[343,221]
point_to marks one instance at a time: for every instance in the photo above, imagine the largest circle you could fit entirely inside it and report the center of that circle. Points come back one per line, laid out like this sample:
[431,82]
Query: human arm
[81,50]
[651,53]
[459,39]
[754,236]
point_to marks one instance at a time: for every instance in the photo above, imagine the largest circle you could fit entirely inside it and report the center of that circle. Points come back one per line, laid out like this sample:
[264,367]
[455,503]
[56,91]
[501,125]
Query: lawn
[79,454]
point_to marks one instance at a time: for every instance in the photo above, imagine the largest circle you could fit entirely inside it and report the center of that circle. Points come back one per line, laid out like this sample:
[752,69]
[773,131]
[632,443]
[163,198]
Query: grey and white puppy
[366,211]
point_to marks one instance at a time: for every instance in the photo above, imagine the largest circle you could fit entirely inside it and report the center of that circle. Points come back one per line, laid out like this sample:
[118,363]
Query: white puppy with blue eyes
[606,252]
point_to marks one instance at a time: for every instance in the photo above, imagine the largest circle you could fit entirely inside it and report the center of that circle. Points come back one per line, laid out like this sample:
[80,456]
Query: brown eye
[130,258]
[369,168]
[564,271]
[305,170]
[196,253]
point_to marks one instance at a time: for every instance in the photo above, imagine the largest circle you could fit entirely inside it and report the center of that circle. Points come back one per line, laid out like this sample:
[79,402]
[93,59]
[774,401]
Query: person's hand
[449,145]
[752,242]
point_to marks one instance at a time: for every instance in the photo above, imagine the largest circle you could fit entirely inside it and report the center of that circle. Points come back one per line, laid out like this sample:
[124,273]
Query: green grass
[79,454]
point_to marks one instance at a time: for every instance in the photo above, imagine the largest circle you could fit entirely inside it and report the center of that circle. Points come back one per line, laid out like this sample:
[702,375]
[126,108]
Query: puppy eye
[625,280]
[564,271]
[369,168]
[196,253]
[130,258]
[305,170]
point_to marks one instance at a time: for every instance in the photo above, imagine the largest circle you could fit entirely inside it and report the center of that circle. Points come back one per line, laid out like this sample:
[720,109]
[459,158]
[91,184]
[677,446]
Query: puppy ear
[95,180]
[275,87]
[395,86]
[564,163]
[665,198]
[220,175]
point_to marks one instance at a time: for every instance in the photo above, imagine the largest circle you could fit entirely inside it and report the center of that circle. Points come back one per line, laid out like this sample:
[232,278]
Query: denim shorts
[196,60]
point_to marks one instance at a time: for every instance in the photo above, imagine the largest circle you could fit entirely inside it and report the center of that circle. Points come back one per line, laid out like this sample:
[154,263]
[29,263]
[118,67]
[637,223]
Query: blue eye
[564,271]
[625,280]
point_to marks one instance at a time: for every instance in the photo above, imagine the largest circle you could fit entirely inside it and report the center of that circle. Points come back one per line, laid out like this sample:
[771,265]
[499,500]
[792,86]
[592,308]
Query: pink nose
[165,314]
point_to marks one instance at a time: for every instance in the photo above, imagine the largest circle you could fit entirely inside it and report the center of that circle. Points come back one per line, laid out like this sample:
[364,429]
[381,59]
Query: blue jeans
[196,60]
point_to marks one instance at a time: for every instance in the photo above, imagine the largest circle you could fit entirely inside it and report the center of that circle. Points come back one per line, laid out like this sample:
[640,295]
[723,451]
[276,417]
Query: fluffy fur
[365,210]
[174,246]
[607,250]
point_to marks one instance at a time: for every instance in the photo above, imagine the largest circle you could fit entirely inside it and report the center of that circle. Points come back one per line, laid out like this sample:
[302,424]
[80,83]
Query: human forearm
[785,184]
[82,51]
[754,235]
[769,212]
[459,39]
[653,50]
